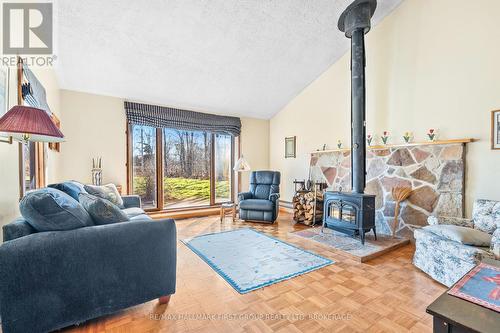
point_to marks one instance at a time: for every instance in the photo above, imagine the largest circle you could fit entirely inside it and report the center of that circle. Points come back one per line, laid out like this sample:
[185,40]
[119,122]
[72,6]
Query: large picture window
[223,167]
[176,169]
[144,164]
[186,168]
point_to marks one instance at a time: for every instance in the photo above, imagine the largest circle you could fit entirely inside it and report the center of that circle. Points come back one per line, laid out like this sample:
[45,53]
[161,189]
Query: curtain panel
[166,117]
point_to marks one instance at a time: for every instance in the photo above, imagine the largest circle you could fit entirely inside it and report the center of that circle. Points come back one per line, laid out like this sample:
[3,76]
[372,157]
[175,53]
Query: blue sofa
[50,280]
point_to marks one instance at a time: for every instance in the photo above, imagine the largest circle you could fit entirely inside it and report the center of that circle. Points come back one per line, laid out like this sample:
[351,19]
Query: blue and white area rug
[249,260]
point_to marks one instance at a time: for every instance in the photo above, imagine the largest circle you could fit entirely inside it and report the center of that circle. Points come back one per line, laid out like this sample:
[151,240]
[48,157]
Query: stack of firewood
[303,207]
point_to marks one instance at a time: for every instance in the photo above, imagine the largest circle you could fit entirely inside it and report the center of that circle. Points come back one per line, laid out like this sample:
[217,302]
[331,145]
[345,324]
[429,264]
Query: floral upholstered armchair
[447,259]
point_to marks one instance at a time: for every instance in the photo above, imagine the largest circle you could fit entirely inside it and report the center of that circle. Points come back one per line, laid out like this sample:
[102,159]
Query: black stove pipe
[355,22]
[358,112]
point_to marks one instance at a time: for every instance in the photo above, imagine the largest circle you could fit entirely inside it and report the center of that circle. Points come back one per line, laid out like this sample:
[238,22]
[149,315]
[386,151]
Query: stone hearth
[434,172]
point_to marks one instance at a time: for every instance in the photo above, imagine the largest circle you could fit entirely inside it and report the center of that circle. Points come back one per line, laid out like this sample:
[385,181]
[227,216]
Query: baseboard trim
[185,214]
[287,204]
[286,207]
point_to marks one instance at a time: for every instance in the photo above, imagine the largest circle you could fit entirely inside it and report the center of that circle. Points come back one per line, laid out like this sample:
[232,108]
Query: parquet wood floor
[387,294]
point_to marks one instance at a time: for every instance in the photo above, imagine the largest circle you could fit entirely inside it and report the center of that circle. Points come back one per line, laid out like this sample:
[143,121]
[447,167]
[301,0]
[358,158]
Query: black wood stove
[354,213]
[350,213]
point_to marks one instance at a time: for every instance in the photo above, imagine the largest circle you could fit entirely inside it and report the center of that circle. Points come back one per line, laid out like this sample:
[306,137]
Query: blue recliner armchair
[261,202]
[50,280]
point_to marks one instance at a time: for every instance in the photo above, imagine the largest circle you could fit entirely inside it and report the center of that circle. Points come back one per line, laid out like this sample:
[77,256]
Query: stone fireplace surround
[435,171]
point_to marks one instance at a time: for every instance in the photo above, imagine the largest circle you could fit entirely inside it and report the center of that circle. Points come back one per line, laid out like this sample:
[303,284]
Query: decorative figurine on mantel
[369,139]
[432,134]
[385,137]
[407,137]
[339,144]
[97,171]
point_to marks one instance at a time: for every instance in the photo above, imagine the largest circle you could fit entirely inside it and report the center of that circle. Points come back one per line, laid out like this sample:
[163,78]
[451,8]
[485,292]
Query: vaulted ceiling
[246,58]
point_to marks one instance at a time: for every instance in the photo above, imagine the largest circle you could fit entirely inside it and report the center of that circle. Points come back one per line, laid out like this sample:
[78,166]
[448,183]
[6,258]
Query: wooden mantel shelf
[413,144]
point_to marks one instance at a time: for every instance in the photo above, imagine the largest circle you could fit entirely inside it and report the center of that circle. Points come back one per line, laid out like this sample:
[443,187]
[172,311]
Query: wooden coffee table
[452,314]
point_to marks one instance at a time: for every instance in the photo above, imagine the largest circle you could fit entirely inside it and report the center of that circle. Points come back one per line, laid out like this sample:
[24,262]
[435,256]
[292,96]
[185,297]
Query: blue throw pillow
[49,209]
[101,210]
[71,188]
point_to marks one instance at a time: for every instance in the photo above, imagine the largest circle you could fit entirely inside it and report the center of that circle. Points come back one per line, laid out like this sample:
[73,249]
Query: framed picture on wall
[4,97]
[290,151]
[495,130]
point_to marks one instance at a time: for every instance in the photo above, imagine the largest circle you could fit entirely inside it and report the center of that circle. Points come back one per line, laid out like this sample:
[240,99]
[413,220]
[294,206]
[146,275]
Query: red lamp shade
[25,123]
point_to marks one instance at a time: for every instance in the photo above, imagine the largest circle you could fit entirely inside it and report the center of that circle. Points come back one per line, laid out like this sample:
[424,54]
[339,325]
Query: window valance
[165,117]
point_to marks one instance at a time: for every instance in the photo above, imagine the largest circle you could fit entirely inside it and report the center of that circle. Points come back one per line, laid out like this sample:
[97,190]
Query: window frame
[159,173]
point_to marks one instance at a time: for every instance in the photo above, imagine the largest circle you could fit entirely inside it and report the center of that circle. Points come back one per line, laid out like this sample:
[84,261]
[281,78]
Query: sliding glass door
[176,169]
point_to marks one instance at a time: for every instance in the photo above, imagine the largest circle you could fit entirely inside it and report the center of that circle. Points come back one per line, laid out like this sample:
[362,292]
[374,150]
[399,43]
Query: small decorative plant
[339,144]
[408,136]
[431,134]
[385,137]
[369,139]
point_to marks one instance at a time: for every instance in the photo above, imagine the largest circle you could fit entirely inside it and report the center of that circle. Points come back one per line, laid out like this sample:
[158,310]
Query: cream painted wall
[431,63]
[95,125]
[254,146]
[9,154]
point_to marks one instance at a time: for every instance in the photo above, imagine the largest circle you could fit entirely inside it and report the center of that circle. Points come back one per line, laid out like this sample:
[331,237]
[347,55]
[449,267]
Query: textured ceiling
[246,58]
